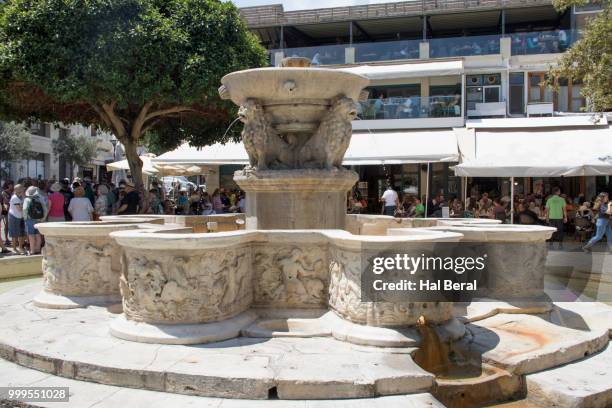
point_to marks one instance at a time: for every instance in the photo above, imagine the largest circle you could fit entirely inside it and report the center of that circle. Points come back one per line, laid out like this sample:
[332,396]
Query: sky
[309,4]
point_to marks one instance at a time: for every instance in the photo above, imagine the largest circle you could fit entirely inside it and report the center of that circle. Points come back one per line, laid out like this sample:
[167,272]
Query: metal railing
[543,42]
[464,46]
[410,108]
[386,51]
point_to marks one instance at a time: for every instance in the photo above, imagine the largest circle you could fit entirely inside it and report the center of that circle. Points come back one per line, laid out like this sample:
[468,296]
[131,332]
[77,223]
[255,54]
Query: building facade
[444,65]
[47,166]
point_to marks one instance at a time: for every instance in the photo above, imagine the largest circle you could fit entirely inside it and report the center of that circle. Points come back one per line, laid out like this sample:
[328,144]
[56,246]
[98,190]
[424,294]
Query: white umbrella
[147,166]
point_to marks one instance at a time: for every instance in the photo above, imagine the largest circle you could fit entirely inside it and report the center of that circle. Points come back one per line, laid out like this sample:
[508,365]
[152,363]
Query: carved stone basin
[81,263]
[295,98]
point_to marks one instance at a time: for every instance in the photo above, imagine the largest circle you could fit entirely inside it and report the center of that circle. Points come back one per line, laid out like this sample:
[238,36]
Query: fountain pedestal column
[296,199]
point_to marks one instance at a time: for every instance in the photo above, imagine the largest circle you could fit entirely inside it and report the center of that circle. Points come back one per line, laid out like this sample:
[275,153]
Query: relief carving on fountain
[186,288]
[345,269]
[80,268]
[290,276]
[268,148]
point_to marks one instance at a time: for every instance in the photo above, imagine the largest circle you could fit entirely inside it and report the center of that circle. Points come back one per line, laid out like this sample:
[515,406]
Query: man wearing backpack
[34,211]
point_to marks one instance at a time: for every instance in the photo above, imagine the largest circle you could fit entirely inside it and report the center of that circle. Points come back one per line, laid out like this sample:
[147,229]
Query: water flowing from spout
[433,355]
[229,127]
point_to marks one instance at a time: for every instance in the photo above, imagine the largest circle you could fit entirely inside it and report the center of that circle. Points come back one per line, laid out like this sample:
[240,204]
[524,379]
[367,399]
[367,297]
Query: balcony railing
[410,108]
[319,55]
[542,42]
[538,42]
[464,46]
[386,51]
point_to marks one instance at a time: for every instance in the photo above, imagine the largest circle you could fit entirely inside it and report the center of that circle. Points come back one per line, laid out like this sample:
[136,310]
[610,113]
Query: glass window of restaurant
[567,98]
[442,180]
[391,102]
[517,93]
[445,100]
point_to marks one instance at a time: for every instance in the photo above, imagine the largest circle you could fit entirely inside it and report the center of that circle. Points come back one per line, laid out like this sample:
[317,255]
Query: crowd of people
[589,220]
[32,201]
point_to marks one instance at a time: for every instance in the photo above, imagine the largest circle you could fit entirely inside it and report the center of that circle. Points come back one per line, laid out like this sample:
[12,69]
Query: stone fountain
[276,310]
[297,127]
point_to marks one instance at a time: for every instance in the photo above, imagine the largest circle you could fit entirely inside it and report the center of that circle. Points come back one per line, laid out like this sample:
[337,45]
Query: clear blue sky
[309,4]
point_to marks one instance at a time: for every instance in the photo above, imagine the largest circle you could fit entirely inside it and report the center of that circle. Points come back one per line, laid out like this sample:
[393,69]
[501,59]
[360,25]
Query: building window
[64,133]
[566,99]
[517,93]
[482,88]
[40,129]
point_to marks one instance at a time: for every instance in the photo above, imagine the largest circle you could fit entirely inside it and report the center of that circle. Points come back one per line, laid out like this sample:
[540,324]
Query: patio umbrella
[147,166]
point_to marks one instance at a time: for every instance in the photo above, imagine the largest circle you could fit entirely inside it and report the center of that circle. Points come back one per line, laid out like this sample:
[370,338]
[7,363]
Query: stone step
[583,384]
[76,344]
[85,394]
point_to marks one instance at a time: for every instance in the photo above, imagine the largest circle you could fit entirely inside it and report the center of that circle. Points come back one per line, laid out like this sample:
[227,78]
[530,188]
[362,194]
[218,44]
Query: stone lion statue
[264,146]
[326,148]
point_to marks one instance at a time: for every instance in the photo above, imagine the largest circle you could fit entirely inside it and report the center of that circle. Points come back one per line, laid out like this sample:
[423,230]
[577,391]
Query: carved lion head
[345,107]
[248,110]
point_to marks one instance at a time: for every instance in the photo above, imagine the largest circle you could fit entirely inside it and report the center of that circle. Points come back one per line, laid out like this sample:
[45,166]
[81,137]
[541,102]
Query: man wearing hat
[66,191]
[129,203]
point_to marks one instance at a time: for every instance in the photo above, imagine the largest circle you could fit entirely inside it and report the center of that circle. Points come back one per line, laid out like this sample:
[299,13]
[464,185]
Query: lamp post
[114,143]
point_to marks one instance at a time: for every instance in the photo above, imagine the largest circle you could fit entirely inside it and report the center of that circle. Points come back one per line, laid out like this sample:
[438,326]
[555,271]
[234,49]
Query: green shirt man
[555,208]
[419,210]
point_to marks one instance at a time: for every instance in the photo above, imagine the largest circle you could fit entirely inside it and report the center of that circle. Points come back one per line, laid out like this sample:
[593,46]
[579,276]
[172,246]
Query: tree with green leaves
[127,66]
[590,58]
[14,143]
[74,150]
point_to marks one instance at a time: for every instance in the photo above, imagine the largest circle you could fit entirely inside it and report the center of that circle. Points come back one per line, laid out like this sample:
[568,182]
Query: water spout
[433,355]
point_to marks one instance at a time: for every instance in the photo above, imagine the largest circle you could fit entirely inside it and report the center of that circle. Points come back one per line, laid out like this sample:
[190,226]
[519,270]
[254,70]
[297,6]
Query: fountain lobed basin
[203,279]
[516,262]
[81,263]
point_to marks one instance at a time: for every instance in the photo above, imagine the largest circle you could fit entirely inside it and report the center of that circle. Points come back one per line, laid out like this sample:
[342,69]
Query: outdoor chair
[584,228]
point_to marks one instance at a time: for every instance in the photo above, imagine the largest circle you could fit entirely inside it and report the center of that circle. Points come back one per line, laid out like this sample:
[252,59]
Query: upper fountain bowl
[294,96]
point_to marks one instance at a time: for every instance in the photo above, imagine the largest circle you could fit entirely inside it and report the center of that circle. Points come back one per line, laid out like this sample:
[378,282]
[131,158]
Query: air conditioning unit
[473,80]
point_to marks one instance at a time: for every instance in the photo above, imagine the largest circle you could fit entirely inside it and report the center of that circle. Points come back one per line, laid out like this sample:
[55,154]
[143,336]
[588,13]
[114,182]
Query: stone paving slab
[582,384]
[525,344]
[86,394]
[76,343]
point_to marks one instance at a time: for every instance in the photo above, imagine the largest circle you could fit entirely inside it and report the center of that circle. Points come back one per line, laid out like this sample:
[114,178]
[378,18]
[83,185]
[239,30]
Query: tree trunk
[131,153]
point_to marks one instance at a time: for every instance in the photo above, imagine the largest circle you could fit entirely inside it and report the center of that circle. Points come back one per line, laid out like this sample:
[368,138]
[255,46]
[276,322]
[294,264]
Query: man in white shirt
[391,201]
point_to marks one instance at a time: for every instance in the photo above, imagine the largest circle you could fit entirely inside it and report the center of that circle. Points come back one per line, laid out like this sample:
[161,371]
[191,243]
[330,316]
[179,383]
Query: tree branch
[174,109]
[139,122]
[109,109]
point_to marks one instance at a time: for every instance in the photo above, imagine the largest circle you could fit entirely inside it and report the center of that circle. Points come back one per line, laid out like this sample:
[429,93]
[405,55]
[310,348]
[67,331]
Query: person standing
[390,201]
[101,203]
[16,225]
[7,192]
[80,207]
[129,203]
[603,209]
[556,215]
[56,204]
[68,195]
[34,211]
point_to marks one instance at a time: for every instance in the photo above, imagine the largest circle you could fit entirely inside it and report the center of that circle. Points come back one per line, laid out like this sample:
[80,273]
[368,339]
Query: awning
[216,154]
[538,152]
[414,70]
[420,146]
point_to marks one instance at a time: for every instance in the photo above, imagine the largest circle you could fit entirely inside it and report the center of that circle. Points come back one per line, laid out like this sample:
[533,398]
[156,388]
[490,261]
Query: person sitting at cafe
[379,106]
